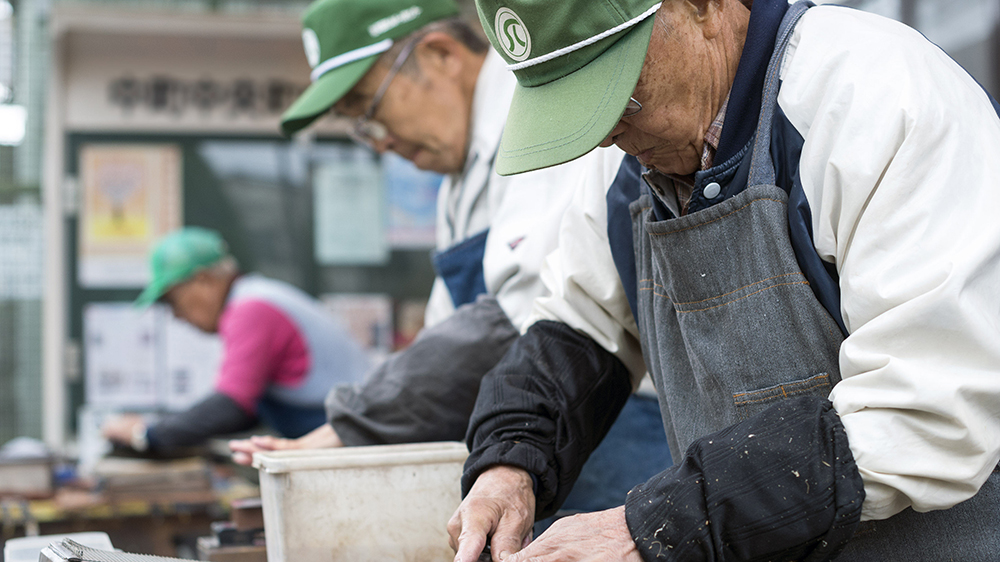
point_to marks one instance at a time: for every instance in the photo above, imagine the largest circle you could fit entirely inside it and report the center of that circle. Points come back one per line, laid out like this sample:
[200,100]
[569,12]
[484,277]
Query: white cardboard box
[385,503]
[29,478]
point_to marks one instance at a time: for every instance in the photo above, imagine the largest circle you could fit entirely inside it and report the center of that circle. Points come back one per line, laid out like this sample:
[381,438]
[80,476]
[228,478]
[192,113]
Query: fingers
[322,437]
[467,532]
[271,443]
[243,449]
[600,536]
[500,507]
[119,429]
[241,445]
[509,537]
[245,459]
[455,528]
[470,543]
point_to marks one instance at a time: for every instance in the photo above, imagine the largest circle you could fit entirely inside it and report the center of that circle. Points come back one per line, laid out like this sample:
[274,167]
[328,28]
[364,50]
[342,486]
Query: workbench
[162,523]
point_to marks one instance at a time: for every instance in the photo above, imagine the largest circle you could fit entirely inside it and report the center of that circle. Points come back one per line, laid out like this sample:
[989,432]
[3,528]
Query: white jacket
[523,212]
[904,202]
[901,169]
[584,290]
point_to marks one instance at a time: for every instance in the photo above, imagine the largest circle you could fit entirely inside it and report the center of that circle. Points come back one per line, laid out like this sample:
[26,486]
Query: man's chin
[428,162]
[422,160]
[667,168]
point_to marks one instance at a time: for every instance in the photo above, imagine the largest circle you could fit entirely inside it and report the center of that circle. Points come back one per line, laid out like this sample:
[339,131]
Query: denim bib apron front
[461,268]
[730,326]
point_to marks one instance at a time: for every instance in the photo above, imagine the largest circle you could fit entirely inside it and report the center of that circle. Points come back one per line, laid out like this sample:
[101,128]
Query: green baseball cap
[178,256]
[576,62]
[344,38]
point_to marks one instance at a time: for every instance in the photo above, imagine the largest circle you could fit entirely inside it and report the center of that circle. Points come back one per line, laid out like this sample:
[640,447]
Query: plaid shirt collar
[712,137]
[683,185]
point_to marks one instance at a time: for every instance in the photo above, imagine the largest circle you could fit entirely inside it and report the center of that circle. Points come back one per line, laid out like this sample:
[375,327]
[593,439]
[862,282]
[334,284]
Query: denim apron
[730,326]
[461,268]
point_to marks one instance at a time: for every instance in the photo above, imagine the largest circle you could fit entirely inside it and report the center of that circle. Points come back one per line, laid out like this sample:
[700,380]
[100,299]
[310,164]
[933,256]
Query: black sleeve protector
[427,391]
[780,486]
[216,415]
[544,408]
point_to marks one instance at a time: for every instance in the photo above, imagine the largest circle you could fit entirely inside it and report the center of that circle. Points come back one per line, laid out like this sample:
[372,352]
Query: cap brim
[567,118]
[152,293]
[160,286]
[323,93]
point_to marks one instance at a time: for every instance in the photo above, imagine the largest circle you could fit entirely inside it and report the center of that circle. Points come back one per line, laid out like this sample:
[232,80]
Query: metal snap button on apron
[712,190]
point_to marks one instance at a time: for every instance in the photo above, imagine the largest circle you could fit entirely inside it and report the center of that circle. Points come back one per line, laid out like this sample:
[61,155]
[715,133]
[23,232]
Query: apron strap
[761,167]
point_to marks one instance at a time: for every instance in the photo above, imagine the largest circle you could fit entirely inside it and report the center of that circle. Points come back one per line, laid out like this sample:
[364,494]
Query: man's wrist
[140,438]
[510,477]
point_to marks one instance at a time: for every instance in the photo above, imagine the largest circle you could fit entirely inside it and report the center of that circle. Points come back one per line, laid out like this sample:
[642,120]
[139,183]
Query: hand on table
[121,429]
[323,437]
[600,536]
[500,507]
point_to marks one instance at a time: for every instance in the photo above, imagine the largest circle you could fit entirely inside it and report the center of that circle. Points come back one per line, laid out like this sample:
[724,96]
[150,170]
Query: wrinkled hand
[120,428]
[501,505]
[602,536]
[323,437]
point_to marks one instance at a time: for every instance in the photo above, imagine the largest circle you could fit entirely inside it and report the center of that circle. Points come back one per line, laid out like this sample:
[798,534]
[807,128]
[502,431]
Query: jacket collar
[745,95]
[490,103]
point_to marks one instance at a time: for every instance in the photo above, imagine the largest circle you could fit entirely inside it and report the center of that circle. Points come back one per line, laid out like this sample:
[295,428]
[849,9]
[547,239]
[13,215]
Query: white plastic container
[358,504]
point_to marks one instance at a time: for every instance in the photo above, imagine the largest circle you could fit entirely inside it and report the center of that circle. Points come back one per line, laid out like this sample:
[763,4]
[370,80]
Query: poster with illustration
[130,196]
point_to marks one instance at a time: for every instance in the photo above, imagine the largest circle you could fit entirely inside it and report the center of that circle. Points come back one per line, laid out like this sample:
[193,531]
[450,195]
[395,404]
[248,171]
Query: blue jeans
[634,450]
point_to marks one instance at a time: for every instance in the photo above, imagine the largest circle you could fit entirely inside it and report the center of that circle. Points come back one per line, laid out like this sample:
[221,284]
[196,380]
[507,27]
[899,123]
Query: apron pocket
[751,403]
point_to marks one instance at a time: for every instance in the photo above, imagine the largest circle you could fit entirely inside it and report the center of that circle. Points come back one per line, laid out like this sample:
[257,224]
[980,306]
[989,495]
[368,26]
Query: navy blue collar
[745,96]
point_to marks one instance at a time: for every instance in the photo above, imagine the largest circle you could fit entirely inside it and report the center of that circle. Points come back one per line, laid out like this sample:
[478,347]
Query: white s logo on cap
[512,34]
[311,43]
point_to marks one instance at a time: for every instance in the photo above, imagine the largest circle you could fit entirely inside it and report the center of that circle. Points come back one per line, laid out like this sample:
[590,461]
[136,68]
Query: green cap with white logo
[178,256]
[576,62]
[344,38]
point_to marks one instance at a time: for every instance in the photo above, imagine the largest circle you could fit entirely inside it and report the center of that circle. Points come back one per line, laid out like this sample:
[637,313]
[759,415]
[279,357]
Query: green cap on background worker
[178,257]
[344,38]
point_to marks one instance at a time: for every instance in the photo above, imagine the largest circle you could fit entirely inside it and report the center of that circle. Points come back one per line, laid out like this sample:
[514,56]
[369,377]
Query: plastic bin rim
[278,462]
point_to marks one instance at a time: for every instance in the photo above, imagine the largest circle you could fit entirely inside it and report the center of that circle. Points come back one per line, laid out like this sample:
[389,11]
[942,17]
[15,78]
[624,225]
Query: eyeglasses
[632,107]
[366,130]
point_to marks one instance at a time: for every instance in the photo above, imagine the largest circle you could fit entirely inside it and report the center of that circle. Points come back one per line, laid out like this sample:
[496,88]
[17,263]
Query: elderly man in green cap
[281,350]
[812,256]
[418,80]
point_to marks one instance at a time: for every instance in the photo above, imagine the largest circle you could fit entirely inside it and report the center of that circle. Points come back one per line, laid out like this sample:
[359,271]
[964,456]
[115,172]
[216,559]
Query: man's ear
[439,52]
[707,14]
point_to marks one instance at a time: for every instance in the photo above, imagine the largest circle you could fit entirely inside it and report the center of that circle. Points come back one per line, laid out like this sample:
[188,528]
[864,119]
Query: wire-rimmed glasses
[366,129]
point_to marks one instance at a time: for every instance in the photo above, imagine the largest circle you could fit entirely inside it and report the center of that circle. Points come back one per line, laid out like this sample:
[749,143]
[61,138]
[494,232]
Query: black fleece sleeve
[779,486]
[216,415]
[425,392]
[544,408]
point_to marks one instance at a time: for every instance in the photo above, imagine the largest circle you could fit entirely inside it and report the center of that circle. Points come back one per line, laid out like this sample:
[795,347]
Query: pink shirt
[261,346]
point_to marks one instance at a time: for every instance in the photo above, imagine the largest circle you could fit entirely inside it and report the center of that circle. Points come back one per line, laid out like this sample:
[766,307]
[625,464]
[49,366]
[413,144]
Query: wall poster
[131,195]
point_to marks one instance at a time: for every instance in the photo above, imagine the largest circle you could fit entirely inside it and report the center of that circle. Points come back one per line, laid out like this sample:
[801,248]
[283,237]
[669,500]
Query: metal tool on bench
[68,551]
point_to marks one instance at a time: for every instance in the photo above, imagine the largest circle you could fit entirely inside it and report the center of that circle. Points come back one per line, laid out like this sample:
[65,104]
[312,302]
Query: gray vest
[335,358]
